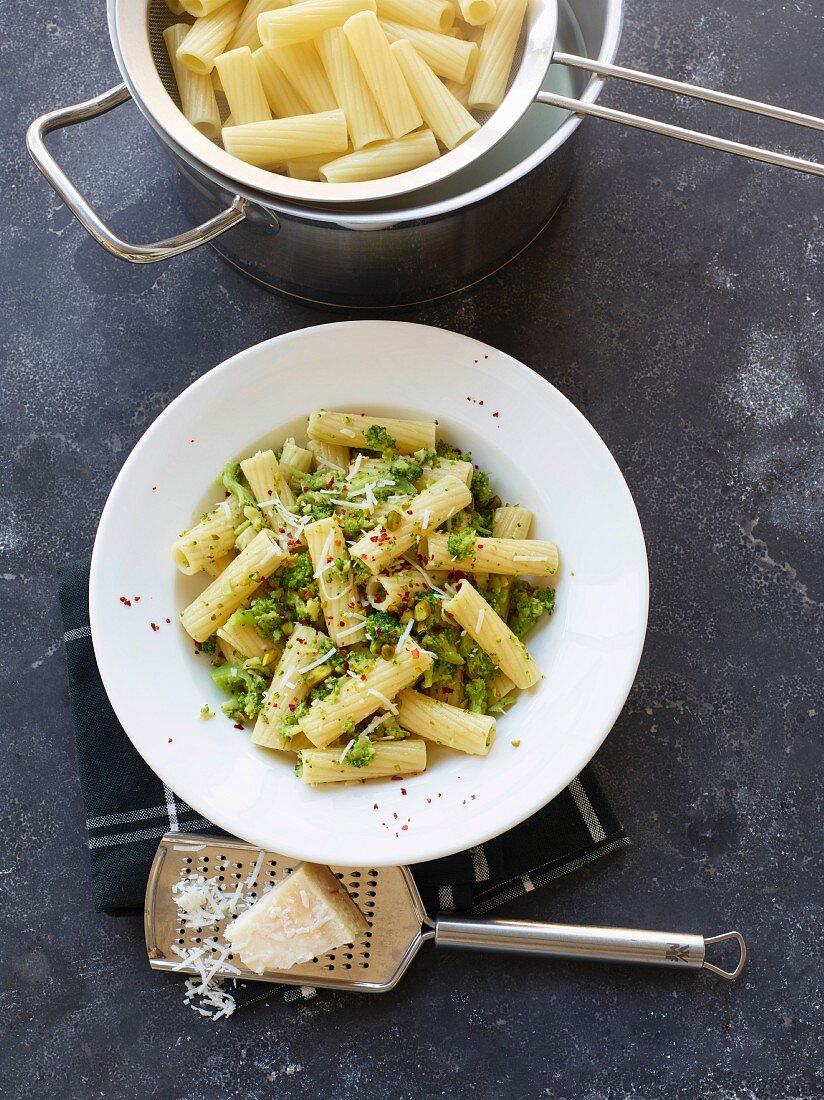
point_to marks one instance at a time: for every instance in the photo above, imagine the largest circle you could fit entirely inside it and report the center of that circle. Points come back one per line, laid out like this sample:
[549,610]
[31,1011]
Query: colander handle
[680,950]
[681,133]
[134,253]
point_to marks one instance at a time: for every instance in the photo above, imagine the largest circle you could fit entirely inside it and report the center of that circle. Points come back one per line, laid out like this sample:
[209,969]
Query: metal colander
[138,34]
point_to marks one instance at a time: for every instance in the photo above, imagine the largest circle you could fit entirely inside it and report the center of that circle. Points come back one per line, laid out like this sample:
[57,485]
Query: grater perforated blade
[386,896]
[398,924]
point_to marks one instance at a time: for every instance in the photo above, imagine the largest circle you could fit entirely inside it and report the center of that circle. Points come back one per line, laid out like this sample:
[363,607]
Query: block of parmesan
[304,916]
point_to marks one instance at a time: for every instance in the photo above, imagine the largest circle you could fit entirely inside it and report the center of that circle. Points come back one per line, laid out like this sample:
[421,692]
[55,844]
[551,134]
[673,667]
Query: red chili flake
[397,778]
[480,545]
[154,626]
[473,797]
[269,492]
[330,483]
[496,414]
[469,398]
[169,741]
[125,602]
[403,790]
[342,622]
[409,512]
[191,441]
[363,676]
[464,802]
[486,357]
[404,827]
[238,725]
[363,557]
[154,488]
[474,360]
[137,599]
[480,402]
[292,706]
[395,816]
[168,620]
[375,806]
[416,654]
[440,795]
[429,800]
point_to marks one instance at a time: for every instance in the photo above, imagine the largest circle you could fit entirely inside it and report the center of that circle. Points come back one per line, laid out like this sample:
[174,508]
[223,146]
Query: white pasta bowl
[540,451]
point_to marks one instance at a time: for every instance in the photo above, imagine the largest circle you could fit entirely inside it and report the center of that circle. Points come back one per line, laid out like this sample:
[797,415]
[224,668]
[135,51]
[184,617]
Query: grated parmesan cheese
[480,620]
[347,432]
[407,630]
[390,706]
[528,557]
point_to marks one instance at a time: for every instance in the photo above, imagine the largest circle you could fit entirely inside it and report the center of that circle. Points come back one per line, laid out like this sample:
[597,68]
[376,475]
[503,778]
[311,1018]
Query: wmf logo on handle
[678,952]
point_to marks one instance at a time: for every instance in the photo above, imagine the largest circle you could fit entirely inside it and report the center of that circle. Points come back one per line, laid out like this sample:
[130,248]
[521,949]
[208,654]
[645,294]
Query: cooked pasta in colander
[406,75]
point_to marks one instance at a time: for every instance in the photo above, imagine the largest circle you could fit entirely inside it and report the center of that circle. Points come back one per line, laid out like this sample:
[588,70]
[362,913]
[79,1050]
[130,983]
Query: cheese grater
[398,923]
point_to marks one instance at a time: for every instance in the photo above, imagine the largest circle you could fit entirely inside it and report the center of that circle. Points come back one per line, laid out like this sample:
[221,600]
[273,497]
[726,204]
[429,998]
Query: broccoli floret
[476,696]
[390,727]
[500,706]
[526,607]
[232,479]
[405,469]
[208,647]
[427,457]
[361,753]
[461,544]
[352,522]
[481,490]
[383,628]
[378,438]
[444,645]
[290,722]
[298,575]
[479,665]
[495,597]
[443,450]
[246,688]
[314,504]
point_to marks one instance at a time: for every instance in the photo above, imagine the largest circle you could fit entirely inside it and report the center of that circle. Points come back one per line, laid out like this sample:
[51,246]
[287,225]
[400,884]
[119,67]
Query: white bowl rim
[97,612]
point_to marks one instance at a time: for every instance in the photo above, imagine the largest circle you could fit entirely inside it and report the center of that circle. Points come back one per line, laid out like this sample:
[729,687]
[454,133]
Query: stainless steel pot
[433,243]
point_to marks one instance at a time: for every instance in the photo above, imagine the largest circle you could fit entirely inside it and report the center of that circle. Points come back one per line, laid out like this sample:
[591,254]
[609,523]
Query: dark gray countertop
[677,301]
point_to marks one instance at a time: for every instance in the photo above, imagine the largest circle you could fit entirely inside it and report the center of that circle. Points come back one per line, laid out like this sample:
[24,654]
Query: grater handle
[681,950]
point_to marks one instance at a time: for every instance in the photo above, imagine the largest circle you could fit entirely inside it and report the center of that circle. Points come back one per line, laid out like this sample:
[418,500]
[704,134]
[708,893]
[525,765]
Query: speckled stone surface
[677,300]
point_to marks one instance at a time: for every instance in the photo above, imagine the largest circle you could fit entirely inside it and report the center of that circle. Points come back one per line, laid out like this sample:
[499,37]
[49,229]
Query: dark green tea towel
[128,808]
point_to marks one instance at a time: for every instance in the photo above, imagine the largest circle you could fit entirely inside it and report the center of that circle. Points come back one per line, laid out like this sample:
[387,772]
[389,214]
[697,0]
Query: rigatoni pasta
[197,96]
[406,106]
[382,73]
[283,98]
[328,629]
[496,55]
[268,143]
[387,158]
[363,119]
[302,67]
[209,37]
[390,759]
[481,622]
[512,557]
[443,114]
[446,724]
[242,86]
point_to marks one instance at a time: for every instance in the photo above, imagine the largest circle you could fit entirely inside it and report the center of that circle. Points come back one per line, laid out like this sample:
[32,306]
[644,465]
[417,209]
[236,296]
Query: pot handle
[134,253]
